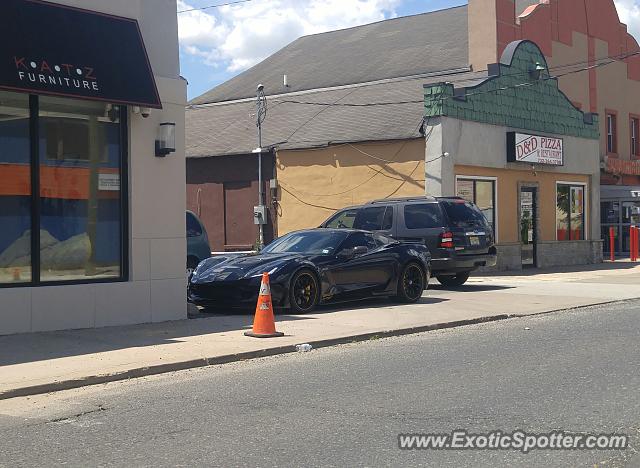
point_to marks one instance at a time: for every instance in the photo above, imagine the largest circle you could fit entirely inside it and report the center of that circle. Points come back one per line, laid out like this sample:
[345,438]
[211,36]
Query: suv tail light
[446,240]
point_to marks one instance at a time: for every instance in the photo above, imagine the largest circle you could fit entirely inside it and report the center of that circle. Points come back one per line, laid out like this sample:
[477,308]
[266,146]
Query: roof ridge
[447,72]
[425,13]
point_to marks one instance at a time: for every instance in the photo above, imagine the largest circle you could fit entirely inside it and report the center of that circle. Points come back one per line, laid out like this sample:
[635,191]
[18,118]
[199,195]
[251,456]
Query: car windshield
[312,242]
[464,213]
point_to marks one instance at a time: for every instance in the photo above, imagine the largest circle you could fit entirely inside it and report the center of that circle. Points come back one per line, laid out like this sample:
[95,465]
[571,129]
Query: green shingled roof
[511,98]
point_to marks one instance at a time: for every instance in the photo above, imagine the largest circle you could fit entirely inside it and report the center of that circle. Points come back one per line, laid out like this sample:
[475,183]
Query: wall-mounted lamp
[166,141]
[536,71]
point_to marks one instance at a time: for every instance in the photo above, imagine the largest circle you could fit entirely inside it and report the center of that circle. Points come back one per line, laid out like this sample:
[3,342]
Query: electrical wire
[283,187]
[609,60]
[318,113]
[377,172]
[213,6]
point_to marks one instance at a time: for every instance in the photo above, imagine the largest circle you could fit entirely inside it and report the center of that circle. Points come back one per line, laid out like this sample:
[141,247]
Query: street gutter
[265,352]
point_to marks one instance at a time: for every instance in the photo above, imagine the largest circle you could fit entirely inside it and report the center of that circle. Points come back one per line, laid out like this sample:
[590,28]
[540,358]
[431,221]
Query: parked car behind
[456,232]
[198,247]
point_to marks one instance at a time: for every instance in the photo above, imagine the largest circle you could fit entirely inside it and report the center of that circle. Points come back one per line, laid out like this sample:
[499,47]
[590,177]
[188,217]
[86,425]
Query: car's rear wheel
[412,283]
[453,281]
[304,292]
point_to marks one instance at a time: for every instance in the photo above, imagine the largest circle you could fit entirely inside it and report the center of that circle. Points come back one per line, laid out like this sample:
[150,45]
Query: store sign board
[47,48]
[622,166]
[535,149]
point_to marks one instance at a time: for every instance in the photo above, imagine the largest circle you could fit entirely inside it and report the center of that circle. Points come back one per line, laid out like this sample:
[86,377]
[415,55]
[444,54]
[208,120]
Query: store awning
[47,48]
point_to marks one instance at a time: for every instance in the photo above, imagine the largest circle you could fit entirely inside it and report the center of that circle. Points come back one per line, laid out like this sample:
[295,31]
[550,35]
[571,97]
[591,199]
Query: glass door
[528,226]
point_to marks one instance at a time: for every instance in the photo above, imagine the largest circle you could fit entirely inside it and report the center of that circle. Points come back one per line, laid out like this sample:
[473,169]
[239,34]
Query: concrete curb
[225,359]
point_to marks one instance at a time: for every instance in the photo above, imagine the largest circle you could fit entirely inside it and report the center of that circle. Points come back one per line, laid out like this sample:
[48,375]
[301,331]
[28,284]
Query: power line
[609,61]
[214,6]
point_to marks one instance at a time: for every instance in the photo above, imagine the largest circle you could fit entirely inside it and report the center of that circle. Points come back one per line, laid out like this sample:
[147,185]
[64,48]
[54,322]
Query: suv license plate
[474,240]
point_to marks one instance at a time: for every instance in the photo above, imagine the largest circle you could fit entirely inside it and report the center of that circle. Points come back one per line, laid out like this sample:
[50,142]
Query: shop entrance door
[528,228]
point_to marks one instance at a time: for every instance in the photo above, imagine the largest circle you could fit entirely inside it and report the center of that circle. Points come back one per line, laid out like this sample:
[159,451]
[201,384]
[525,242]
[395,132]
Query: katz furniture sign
[534,149]
[46,48]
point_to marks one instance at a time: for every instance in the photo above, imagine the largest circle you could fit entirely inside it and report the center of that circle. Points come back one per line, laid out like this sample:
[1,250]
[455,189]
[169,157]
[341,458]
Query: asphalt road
[576,371]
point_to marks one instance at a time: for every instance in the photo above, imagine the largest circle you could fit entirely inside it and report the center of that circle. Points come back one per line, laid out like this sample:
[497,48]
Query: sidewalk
[42,362]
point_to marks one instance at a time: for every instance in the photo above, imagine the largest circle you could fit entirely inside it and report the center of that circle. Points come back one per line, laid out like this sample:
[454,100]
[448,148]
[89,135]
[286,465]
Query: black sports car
[313,267]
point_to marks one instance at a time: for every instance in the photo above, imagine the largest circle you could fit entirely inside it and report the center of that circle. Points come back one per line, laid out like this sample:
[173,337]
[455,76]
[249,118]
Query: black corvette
[313,267]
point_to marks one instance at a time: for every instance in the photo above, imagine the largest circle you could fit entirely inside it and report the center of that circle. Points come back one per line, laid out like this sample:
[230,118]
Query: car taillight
[446,240]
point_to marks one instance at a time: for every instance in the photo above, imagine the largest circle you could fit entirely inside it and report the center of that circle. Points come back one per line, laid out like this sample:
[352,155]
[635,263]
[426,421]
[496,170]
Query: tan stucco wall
[575,85]
[507,194]
[316,182]
[483,34]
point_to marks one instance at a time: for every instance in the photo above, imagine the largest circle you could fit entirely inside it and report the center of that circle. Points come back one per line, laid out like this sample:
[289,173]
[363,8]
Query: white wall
[156,290]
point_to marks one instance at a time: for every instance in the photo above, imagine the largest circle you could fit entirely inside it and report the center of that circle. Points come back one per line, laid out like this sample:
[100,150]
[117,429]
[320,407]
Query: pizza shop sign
[534,149]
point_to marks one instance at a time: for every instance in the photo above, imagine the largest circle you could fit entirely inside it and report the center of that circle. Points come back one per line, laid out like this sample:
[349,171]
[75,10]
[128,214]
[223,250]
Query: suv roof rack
[401,199]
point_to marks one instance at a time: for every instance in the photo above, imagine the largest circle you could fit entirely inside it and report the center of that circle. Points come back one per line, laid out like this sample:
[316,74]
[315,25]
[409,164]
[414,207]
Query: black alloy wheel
[412,283]
[303,294]
[453,281]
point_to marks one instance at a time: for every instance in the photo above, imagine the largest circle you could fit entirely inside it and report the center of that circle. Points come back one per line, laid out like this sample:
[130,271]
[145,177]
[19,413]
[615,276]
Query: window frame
[35,164]
[585,211]
[634,134]
[495,197]
[611,116]
[336,215]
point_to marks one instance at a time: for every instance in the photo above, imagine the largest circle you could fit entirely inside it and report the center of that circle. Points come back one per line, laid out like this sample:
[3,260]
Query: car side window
[387,222]
[343,220]
[370,218]
[422,216]
[359,239]
[381,241]
[193,226]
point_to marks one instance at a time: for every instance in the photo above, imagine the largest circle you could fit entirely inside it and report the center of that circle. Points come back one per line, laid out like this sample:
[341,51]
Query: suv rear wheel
[453,281]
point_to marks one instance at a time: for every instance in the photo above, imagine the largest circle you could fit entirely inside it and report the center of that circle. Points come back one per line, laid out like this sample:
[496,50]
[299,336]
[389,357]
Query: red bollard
[631,243]
[611,241]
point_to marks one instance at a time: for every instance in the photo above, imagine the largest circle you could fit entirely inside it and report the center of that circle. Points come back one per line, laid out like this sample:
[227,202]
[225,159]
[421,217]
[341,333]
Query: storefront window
[78,216]
[79,189]
[570,212]
[15,189]
[610,212]
[482,193]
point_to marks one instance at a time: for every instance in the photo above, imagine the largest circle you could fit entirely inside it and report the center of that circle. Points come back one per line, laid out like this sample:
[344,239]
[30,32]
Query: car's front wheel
[453,281]
[304,292]
[412,283]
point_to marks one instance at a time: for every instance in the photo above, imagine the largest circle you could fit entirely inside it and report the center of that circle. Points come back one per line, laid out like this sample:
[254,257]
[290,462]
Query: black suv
[455,231]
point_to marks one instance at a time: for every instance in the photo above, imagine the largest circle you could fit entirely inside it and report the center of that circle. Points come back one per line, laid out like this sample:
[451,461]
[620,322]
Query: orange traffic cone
[264,325]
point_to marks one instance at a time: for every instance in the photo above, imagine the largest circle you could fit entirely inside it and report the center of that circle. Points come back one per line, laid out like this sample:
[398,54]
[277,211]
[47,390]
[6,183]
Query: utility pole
[260,212]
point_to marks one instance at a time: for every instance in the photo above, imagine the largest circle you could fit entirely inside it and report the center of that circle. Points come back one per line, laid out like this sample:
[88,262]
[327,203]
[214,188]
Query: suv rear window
[422,216]
[375,218]
[193,226]
[463,213]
